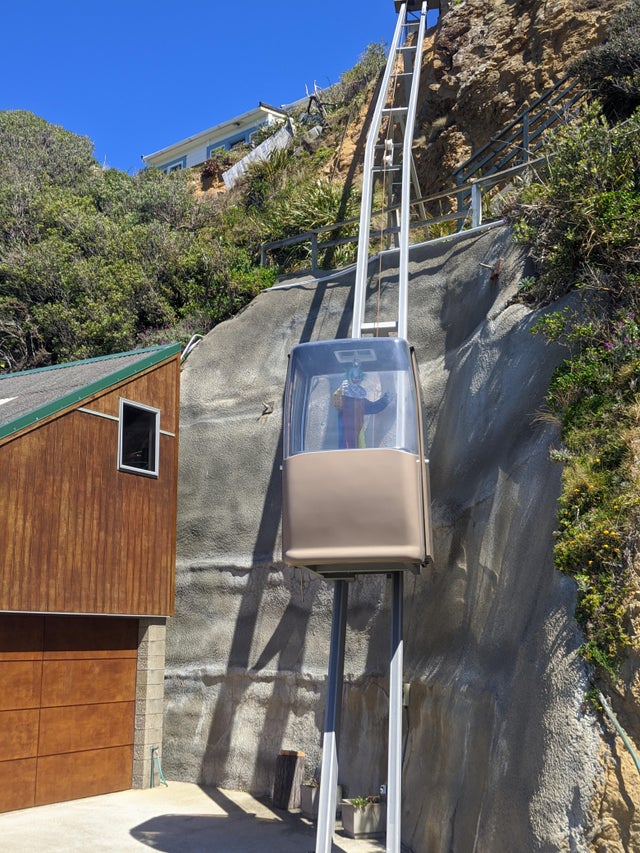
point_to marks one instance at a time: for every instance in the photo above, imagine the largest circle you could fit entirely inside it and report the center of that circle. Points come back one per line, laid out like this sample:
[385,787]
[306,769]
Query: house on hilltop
[195,150]
[89,467]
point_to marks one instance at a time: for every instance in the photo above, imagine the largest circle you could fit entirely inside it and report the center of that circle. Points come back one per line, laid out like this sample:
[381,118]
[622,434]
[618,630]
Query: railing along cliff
[522,138]
[472,214]
[493,167]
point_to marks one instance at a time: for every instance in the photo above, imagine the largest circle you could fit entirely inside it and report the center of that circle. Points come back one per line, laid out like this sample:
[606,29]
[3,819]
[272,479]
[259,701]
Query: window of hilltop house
[174,165]
[238,142]
[139,439]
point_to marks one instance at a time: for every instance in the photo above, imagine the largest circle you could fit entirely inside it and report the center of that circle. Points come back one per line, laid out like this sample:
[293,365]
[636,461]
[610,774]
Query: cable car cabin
[355,478]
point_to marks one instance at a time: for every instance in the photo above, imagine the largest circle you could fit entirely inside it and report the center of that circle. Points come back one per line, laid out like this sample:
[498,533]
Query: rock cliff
[486,61]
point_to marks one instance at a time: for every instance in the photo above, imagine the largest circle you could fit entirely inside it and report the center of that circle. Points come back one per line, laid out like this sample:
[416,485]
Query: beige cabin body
[355,477]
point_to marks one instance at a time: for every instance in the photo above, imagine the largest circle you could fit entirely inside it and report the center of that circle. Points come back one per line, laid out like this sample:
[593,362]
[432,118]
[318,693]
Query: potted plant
[310,798]
[364,817]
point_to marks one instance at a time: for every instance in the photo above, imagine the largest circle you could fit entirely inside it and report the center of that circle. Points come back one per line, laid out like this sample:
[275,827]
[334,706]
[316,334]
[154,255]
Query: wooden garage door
[67,704]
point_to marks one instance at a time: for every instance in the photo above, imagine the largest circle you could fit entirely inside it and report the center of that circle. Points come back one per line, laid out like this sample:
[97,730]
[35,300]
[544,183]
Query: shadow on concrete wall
[283,650]
[478,654]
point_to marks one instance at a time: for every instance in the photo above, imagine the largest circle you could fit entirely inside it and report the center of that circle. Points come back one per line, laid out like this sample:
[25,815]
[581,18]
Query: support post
[329,769]
[476,205]
[525,137]
[394,780]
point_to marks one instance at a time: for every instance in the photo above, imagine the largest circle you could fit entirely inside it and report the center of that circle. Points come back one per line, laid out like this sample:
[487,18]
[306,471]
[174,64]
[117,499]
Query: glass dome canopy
[355,480]
[350,394]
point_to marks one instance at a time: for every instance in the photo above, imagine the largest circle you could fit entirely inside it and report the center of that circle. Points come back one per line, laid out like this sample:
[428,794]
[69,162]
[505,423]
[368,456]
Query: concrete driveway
[179,818]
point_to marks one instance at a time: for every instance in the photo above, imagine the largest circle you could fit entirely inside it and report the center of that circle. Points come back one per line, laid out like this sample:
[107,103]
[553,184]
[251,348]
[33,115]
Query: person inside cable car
[350,399]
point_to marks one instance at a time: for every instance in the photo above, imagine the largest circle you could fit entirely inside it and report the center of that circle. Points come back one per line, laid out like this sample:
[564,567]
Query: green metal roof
[32,395]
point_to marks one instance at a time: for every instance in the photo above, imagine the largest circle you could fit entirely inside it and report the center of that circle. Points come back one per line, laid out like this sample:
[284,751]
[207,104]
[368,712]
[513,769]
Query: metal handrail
[528,118]
[471,213]
[194,340]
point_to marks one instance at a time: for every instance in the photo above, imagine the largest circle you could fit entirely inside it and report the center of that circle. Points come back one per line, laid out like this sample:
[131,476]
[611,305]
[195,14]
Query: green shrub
[612,70]
[361,802]
[583,222]
[593,393]
[582,225]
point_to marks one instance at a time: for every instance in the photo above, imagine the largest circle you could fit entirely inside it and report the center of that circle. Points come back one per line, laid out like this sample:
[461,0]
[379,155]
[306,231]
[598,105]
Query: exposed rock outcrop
[485,62]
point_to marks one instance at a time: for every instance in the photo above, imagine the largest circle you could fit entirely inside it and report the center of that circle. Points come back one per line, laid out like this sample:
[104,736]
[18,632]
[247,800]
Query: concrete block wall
[149,700]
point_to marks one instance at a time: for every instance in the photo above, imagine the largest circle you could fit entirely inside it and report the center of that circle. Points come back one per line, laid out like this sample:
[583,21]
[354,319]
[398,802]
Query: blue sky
[137,76]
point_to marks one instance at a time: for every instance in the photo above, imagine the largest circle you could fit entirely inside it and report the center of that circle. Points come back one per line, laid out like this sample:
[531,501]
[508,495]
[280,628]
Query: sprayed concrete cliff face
[499,753]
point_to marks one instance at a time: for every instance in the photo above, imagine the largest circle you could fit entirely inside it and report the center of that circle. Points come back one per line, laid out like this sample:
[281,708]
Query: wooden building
[89,471]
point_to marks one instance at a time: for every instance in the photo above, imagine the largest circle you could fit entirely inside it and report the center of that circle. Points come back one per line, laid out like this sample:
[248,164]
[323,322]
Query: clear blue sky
[137,76]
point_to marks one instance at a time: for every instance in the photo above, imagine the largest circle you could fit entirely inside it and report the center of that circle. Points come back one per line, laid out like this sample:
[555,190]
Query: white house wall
[200,153]
[198,149]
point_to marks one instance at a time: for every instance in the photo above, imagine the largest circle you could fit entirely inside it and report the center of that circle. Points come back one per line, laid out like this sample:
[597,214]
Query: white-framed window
[218,146]
[174,165]
[138,438]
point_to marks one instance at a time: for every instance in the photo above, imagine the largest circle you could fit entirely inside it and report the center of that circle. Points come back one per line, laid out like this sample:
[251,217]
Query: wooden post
[289,776]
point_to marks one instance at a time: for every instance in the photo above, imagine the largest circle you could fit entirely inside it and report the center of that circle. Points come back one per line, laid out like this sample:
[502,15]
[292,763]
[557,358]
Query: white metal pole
[362,267]
[394,780]
[476,204]
[405,207]
[329,768]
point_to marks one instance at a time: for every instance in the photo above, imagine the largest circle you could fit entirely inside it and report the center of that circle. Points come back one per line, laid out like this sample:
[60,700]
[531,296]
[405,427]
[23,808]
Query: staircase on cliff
[512,150]
[521,141]
[523,137]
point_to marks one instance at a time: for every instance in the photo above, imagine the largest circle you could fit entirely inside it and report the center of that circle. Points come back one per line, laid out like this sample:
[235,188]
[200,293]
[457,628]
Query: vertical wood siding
[78,535]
